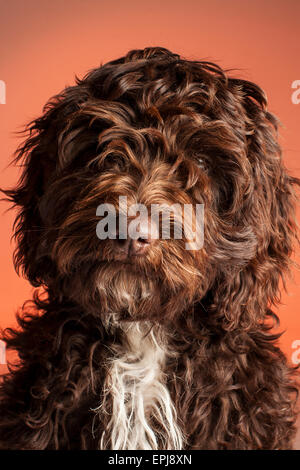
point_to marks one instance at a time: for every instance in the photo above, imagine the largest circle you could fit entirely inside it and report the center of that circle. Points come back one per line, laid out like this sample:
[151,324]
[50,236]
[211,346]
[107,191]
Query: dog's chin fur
[143,415]
[127,294]
[126,291]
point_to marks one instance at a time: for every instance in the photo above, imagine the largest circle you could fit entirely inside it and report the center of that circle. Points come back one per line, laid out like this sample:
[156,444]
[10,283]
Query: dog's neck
[143,415]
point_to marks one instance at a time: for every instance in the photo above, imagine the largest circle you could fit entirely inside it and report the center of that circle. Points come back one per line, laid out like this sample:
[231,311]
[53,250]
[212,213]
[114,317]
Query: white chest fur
[136,385]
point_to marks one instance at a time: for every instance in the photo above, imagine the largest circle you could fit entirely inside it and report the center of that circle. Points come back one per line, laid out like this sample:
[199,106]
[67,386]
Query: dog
[149,341]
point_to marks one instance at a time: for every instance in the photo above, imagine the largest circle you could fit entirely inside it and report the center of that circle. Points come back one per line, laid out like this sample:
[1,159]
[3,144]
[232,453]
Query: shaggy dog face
[145,344]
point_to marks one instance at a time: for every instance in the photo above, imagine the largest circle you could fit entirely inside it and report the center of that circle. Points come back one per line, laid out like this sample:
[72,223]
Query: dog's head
[156,130]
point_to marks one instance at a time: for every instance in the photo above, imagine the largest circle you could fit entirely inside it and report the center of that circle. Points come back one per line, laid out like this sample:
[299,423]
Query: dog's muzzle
[130,244]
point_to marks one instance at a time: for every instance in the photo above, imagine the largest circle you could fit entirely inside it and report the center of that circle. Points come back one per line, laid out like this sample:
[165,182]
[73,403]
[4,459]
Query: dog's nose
[139,238]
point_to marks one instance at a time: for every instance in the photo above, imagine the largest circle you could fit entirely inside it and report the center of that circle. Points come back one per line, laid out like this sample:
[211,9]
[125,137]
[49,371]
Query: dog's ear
[37,156]
[261,208]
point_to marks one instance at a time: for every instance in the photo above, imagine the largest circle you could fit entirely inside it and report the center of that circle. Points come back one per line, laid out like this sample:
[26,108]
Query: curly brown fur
[156,128]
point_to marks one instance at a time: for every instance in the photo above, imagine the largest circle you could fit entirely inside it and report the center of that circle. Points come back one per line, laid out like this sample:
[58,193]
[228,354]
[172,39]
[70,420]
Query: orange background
[44,43]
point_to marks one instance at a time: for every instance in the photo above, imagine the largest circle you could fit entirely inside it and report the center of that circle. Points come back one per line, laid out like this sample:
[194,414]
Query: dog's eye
[200,163]
[114,161]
